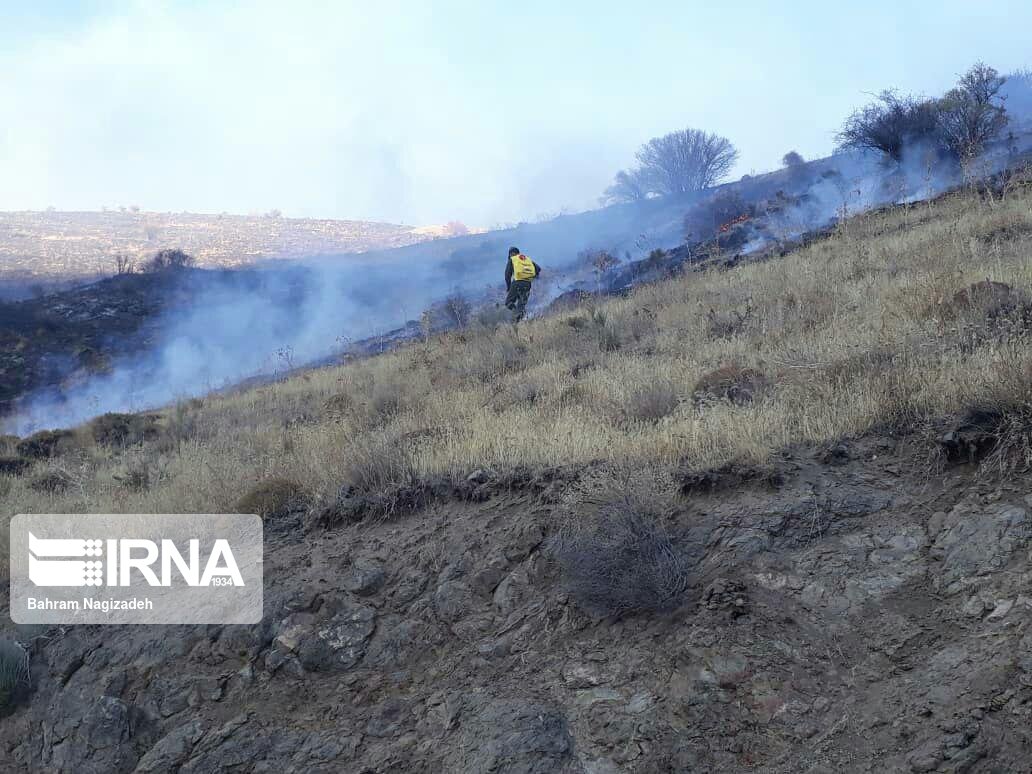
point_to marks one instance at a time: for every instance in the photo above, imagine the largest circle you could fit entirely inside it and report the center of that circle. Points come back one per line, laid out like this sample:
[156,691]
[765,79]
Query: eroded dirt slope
[849,611]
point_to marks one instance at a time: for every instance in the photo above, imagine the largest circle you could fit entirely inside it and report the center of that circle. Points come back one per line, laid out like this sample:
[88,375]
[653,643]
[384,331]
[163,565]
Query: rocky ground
[852,608]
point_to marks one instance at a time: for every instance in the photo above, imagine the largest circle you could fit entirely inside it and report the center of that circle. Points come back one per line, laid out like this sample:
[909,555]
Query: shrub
[14,672]
[272,498]
[792,159]
[123,429]
[170,259]
[375,463]
[628,186]
[731,383]
[717,214]
[491,317]
[726,324]
[11,465]
[44,444]
[386,399]
[622,563]
[889,124]
[51,482]
[650,402]
[457,311]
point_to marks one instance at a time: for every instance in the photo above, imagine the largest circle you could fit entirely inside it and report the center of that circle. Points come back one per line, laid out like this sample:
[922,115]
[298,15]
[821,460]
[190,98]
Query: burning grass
[846,332]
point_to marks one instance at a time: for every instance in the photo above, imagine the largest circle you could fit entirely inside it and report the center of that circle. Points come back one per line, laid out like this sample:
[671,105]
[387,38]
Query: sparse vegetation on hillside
[841,336]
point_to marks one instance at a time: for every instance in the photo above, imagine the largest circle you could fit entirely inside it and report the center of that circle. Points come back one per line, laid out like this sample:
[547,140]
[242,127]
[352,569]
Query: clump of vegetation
[731,383]
[14,673]
[730,322]
[12,465]
[960,123]
[120,430]
[272,498]
[792,159]
[51,482]
[45,444]
[169,260]
[889,124]
[620,563]
[650,402]
[718,214]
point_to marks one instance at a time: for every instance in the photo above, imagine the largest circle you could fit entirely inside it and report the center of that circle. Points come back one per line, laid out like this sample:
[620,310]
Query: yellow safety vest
[523,268]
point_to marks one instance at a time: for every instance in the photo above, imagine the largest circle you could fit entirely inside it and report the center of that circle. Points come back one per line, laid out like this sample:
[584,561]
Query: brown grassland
[855,331]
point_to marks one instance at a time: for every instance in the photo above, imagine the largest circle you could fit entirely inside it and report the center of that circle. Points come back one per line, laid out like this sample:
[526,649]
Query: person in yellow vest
[520,272]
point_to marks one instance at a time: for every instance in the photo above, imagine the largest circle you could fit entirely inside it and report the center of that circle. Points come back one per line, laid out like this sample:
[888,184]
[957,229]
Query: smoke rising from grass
[260,322]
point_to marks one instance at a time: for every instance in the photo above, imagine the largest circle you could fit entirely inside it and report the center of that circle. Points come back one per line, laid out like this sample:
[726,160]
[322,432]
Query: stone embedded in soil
[976,541]
[365,578]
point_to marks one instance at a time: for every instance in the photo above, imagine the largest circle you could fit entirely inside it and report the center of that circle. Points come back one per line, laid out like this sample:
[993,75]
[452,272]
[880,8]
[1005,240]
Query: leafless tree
[972,113]
[628,186]
[889,124]
[684,161]
[124,264]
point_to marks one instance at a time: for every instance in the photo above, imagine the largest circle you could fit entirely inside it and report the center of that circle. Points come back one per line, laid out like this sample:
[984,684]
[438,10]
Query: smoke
[259,322]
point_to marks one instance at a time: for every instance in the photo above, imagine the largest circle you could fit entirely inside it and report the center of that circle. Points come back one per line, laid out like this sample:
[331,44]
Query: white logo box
[136,568]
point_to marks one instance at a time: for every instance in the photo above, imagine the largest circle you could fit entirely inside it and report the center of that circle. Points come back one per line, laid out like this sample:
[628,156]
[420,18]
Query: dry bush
[621,562]
[731,383]
[11,465]
[993,299]
[648,403]
[46,444]
[338,406]
[729,322]
[120,430]
[378,462]
[386,399]
[53,481]
[272,498]
[490,317]
[8,443]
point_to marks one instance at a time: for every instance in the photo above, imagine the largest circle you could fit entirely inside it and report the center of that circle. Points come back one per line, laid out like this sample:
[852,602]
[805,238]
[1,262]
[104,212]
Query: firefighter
[520,272]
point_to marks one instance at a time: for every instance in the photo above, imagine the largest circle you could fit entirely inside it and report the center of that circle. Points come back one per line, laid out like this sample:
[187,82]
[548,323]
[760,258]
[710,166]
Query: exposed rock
[974,542]
[365,578]
[498,735]
[453,600]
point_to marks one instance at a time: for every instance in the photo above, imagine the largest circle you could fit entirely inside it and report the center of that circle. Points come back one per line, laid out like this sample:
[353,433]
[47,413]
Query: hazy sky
[432,111]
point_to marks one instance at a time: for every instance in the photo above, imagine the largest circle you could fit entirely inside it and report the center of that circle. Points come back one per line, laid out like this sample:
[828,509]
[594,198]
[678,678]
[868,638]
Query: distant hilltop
[44,246]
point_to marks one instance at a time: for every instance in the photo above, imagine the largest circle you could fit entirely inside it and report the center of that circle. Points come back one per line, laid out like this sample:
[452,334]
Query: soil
[849,609]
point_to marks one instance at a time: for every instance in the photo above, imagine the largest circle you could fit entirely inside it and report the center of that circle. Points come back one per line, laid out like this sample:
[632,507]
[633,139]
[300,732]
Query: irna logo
[130,561]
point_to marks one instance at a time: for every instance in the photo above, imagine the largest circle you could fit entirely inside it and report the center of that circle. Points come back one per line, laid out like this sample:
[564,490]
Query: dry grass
[847,331]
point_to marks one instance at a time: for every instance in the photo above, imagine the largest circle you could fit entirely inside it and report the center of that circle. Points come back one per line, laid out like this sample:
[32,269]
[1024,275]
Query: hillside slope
[773,518]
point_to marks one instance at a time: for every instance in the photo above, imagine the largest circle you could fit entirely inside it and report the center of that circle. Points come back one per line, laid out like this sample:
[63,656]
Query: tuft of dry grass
[847,334]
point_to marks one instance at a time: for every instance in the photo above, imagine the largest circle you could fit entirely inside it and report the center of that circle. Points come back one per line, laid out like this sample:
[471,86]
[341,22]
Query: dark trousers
[516,300]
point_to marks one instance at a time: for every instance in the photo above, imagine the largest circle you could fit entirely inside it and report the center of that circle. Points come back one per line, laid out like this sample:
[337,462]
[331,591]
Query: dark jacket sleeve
[508,272]
[537,270]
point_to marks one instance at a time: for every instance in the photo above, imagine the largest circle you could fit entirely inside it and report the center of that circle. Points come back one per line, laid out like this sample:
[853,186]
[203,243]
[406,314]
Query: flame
[732,223]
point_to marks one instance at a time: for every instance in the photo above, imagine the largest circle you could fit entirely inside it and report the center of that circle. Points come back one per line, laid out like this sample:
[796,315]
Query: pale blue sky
[425,112]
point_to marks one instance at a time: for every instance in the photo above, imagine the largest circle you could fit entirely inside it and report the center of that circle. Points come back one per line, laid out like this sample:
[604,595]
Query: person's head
[514,251]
